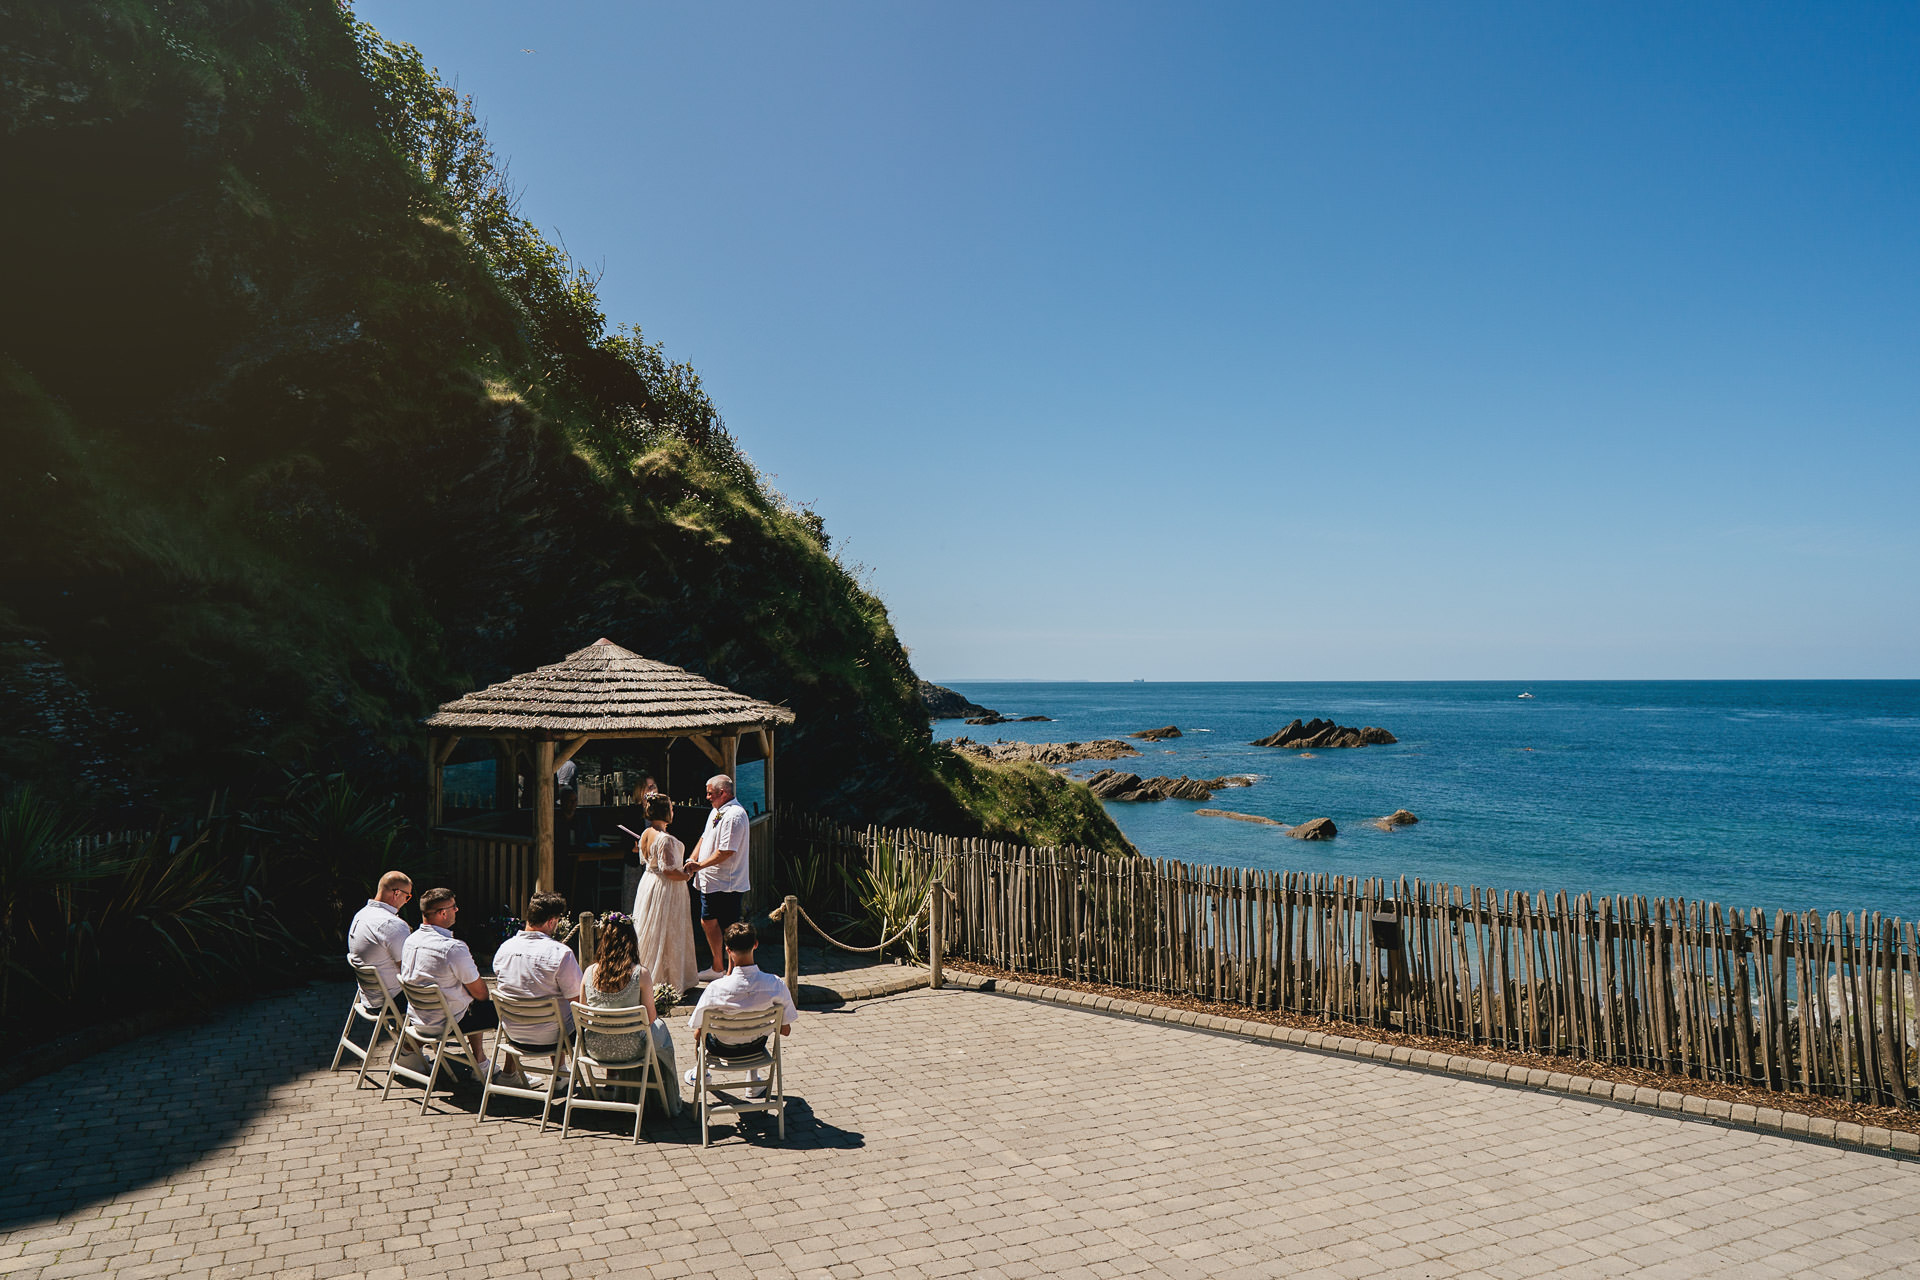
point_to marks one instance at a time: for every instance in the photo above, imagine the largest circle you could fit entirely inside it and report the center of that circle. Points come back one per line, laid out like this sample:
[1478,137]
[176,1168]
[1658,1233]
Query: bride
[661,916]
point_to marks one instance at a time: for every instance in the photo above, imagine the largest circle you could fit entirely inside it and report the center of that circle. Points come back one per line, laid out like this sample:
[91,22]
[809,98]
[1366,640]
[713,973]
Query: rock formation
[1237,817]
[1398,818]
[1157,735]
[1048,753]
[1300,736]
[1315,829]
[1110,784]
[944,704]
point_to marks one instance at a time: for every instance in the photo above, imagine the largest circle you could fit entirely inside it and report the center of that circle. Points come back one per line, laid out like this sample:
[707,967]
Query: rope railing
[790,914]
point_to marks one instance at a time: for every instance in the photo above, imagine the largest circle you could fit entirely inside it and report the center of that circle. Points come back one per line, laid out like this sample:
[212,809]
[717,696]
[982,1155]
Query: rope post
[587,937]
[935,911]
[790,923]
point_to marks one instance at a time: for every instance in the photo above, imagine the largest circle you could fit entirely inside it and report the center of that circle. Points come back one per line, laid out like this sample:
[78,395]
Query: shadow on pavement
[134,1114]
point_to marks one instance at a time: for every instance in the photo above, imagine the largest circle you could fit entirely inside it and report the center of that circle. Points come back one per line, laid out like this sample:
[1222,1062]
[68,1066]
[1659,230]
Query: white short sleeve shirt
[744,990]
[433,954]
[377,938]
[532,964]
[726,829]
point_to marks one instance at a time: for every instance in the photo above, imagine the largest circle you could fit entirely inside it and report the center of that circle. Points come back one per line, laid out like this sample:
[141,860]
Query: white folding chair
[430,1002]
[612,1022]
[734,1026]
[520,1021]
[369,993]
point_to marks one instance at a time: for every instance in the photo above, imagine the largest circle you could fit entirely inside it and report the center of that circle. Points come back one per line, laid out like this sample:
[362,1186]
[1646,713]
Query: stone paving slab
[1899,1142]
[932,1133]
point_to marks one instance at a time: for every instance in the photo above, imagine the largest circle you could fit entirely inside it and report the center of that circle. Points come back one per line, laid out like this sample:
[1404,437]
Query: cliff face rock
[1314,734]
[1048,753]
[1157,735]
[1315,829]
[943,703]
[358,441]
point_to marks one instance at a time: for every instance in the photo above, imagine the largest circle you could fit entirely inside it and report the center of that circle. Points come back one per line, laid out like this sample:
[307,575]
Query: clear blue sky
[1270,341]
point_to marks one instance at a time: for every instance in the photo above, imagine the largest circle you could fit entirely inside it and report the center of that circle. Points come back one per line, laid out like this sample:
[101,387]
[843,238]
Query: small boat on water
[1528,694]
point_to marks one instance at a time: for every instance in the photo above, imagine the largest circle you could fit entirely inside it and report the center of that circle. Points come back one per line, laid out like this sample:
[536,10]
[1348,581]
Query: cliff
[303,429]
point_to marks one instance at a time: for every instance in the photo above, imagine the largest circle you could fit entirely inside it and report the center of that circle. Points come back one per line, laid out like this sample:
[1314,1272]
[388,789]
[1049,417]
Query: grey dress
[625,1048]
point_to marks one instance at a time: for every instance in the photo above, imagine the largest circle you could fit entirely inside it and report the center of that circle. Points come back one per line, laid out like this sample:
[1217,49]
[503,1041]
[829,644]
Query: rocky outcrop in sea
[1314,829]
[1048,753]
[1111,784]
[943,703]
[1157,735]
[1315,734]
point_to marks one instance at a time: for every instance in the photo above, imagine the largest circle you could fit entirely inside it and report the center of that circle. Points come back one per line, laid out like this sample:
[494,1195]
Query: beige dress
[661,915]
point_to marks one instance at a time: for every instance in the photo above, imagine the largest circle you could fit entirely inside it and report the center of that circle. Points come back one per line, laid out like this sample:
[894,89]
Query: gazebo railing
[488,869]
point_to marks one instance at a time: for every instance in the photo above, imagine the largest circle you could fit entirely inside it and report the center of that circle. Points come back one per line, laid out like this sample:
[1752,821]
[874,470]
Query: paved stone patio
[932,1133]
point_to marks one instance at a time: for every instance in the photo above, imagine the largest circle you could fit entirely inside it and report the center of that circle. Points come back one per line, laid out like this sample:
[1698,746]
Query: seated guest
[617,980]
[378,936]
[533,964]
[433,954]
[744,989]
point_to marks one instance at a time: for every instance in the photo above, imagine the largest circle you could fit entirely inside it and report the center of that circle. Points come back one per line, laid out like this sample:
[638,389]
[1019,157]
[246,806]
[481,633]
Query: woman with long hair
[617,980]
[661,916]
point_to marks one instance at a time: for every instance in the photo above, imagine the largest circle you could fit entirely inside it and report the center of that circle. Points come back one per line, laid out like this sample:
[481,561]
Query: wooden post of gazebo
[600,692]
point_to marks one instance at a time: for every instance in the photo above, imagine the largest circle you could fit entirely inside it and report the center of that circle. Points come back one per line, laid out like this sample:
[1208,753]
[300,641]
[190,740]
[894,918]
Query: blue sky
[1276,341]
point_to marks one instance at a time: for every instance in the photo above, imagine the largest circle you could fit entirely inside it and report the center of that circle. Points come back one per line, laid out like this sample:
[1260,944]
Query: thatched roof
[605,690]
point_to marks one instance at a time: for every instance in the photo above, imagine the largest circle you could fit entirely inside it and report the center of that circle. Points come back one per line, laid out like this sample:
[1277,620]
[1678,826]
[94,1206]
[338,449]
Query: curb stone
[1897,1143]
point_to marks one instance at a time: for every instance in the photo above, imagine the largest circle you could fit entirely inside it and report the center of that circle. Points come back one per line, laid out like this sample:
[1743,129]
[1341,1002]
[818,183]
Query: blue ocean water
[1774,794]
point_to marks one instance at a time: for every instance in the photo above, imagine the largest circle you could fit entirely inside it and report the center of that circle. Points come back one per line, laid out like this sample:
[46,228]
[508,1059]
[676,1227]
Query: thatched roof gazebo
[600,692]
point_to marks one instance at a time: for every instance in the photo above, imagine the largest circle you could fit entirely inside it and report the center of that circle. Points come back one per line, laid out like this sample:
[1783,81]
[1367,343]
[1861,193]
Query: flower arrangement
[665,997]
[506,924]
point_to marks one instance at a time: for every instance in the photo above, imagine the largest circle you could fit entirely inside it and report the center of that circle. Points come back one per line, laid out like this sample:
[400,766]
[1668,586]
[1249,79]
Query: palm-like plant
[891,891]
[40,865]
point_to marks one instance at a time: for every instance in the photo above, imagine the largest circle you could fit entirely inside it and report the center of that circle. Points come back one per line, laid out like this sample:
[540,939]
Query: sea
[1784,795]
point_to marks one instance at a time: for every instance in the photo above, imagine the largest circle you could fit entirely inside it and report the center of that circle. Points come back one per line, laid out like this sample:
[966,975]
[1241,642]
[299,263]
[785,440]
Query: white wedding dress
[661,915]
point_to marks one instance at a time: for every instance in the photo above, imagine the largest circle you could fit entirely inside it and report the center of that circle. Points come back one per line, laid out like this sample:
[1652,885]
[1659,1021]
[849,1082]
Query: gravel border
[1739,1115]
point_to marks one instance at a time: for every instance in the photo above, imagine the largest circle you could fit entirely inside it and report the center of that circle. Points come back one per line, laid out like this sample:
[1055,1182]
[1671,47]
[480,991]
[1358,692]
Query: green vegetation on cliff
[304,429]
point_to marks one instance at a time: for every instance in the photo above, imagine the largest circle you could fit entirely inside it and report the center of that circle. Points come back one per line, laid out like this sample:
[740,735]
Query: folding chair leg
[392,1060]
[340,1049]
[373,1042]
[439,1055]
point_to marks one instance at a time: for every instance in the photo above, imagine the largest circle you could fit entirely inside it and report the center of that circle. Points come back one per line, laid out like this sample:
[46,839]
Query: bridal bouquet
[665,997]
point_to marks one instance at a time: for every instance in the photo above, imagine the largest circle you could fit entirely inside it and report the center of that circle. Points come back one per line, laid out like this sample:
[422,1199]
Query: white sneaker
[692,1079]
[707,975]
[512,1079]
[413,1060]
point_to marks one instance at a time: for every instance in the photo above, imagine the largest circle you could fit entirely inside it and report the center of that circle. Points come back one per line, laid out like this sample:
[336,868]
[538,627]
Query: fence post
[587,937]
[789,914]
[936,901]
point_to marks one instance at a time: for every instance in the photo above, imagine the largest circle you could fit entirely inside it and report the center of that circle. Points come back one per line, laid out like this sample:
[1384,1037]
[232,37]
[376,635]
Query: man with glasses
[377,938]
[434,955]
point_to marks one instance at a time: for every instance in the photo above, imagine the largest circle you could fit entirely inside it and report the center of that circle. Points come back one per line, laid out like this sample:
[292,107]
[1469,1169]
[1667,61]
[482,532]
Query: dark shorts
[480,1016]
[724,908]
[752,1049]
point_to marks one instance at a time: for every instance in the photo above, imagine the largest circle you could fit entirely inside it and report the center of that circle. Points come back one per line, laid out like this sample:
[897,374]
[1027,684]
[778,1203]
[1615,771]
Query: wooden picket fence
[1799,1003]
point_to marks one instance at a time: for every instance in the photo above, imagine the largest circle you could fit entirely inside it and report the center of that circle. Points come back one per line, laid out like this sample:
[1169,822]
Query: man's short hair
[434,899]
[721,781]
[542,907]
[740,937]
[394,880]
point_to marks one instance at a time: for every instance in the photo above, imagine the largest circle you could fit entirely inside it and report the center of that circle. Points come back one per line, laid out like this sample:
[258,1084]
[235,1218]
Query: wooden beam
[711,752]
[542,817]
[567,750]
[506,775]
[766,745]
[730,756]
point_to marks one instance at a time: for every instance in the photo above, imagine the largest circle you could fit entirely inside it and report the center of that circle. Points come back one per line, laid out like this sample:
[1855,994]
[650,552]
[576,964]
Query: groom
[719,867]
